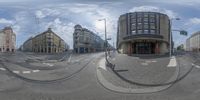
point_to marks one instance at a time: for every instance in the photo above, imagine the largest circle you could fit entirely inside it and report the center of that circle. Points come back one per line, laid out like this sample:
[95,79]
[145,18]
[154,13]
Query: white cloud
[46,12]
[5,21]
[83,14]
[64,30]
[170,13]
[194,20]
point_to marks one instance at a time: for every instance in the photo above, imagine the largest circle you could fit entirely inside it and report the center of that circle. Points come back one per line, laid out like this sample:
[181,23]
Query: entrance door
[144,48]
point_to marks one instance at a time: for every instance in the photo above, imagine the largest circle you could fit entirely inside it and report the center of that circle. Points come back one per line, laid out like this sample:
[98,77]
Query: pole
[170,51]
[105,38]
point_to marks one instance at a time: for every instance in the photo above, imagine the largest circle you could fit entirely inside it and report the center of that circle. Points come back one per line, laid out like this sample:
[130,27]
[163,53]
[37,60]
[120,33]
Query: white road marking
[48,64]
[153,61]
[102,64]
[172,62]
[197,66]
[17,72]
[26,72]
[69,58]
[2,69]
[144,64]
[35,71]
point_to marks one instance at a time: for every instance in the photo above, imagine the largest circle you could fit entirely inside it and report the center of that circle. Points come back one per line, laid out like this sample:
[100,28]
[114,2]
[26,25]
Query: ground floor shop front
[144,47]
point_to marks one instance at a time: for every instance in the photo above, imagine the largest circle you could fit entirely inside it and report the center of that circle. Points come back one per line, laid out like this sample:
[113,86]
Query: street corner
[102,64]
[111,81]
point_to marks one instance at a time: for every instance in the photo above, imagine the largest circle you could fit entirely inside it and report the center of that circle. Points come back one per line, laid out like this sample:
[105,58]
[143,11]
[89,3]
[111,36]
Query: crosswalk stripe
[26,72]
[2,69]
[17,72]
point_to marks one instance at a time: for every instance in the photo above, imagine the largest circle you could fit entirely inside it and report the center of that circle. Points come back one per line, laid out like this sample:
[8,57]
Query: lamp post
[105,36]
[170,51]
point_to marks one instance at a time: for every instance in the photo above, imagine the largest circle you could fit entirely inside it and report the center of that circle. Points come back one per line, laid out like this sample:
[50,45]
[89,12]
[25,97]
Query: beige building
[46,42]
[7,40]
[193,42]
[143,33]
[85,41]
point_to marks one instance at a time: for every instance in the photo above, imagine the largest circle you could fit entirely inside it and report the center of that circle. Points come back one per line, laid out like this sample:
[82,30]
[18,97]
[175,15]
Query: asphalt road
[85,85]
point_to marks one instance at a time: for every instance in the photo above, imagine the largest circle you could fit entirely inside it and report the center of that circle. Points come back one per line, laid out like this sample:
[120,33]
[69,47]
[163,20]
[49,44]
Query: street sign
[182,32]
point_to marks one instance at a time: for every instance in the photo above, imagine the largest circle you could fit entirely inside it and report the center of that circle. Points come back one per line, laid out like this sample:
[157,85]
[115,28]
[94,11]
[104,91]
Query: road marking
[70,58]
[17,72]
[172,62]
[48,64]
[197,66]
[36,71]
[144,64]
[2,69]
[26,72]
[102,64]
[154,61]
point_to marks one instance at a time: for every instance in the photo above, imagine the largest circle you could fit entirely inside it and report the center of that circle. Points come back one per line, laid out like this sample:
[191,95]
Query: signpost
[182,32]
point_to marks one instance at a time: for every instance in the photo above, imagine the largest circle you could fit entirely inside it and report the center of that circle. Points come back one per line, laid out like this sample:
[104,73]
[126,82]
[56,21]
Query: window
[139,14]
[146,31]
[151,15]
[146,26]
[133,20]
[139,31]
[152,26]
[133,27]
[139,19]
[133,16]
[145,15]
[133,32]
[145,20]
[152,31]
[152,20]
[139,26]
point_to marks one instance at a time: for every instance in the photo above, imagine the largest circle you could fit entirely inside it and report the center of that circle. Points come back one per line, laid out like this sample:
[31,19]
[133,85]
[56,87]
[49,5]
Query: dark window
[152,31]
[139,26]
[139,14]
[139,19]
[133,26]
[152,20]
[146,26]
[146,31]
[133,20]
[139,32]
[145,14]
[133,32]
[145,20]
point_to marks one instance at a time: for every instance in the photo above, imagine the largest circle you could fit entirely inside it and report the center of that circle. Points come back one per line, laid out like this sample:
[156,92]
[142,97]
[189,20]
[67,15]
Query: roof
[194,34]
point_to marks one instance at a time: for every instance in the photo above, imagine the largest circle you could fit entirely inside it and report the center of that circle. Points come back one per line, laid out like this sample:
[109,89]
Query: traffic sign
[182,32]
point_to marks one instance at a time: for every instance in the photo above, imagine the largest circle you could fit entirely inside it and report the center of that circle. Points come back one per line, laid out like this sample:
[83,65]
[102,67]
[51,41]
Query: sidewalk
[146,71]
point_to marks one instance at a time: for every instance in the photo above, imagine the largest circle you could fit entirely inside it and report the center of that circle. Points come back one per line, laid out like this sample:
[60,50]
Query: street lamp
[170,51]
[105,36]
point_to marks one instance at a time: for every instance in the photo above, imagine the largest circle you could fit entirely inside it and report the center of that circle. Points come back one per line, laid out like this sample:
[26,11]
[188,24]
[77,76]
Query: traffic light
[183,33]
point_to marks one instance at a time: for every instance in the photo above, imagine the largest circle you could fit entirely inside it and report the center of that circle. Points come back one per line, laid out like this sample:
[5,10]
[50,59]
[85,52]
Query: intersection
[79,78]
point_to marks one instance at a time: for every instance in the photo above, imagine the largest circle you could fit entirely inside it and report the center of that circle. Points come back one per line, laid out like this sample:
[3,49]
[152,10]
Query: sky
[31,17]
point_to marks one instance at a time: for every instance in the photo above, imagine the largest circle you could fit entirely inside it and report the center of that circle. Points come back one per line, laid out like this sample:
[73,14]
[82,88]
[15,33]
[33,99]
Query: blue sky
[29,18]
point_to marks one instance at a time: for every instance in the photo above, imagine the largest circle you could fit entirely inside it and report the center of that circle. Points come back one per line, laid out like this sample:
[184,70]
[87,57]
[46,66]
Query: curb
[115,88]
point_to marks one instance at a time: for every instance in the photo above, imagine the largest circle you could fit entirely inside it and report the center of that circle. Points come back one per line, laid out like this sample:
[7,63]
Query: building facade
[85,41]
[7,40]
[46,42]
[193,42]
[143,33]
